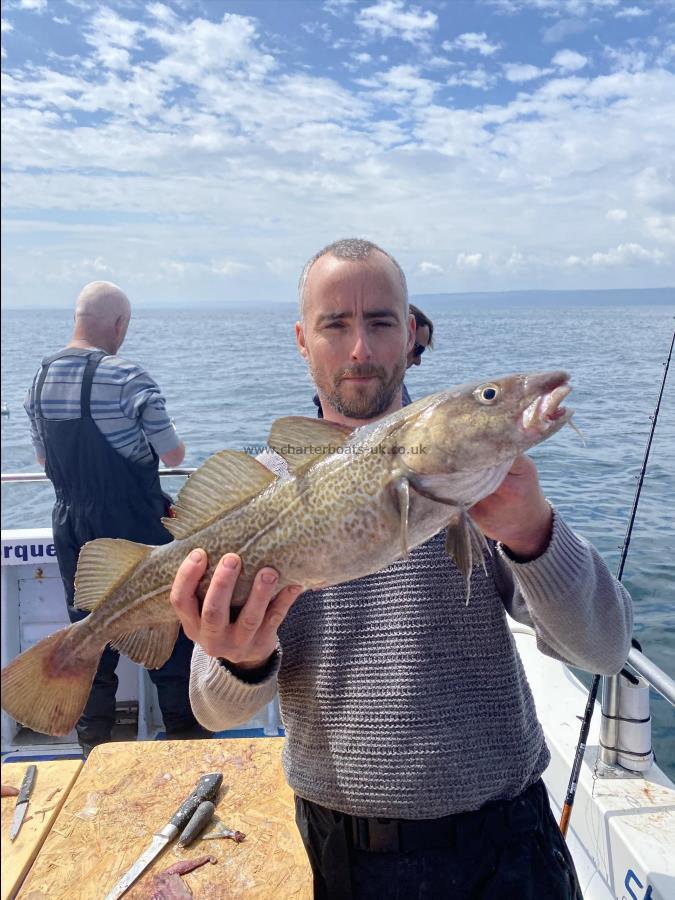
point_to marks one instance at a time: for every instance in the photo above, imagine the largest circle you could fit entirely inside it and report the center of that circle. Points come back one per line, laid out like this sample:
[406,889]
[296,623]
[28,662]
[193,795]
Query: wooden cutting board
[54,780]
[126,791]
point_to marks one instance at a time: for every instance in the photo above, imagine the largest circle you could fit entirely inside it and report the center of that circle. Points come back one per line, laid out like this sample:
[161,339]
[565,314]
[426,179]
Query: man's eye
[382,324]
[335,325]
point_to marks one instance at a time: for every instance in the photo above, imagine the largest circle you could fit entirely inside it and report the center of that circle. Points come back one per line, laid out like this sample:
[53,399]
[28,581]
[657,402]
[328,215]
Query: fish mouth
[545,414]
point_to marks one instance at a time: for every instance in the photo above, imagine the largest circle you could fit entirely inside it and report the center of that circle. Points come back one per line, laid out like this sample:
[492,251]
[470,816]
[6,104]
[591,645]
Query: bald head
[102,313]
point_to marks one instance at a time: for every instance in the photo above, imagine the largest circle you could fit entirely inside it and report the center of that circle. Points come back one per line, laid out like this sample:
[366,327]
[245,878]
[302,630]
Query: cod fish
[355,501]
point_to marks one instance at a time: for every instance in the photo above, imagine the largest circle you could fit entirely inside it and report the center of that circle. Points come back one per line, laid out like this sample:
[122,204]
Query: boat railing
[15,477]
[659,680]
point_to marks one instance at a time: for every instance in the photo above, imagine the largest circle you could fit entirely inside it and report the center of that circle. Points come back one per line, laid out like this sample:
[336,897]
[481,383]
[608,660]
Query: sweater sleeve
[581,614]
[219,699]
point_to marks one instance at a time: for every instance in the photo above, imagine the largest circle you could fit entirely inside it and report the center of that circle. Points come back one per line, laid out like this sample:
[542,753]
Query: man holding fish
[412,742]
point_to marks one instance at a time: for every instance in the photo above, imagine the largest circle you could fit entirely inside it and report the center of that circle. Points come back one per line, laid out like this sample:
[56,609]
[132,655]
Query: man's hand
[250,641]
[517,514]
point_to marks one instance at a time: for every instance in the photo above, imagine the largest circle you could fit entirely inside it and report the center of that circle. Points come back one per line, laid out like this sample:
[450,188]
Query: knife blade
[206,789]
[22,801]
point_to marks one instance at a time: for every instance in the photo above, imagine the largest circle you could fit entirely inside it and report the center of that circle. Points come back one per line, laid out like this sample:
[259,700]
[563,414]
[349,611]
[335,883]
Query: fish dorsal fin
[149,647]
[303,441]
[102,566]
[222,483]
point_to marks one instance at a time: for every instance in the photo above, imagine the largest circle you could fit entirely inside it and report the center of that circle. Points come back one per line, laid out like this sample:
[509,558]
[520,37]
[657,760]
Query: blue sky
[201,151]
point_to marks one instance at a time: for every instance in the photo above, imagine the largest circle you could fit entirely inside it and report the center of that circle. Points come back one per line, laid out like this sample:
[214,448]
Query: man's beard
[361,404]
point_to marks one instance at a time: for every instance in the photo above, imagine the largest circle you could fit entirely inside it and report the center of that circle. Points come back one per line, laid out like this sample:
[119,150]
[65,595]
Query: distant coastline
[466,300]
[548,299]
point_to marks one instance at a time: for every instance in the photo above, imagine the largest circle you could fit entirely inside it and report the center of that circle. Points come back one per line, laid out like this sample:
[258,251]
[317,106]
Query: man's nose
[361,350]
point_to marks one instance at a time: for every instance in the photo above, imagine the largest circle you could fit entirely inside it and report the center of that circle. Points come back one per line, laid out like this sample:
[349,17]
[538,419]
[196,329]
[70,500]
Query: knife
[206,789]
[22,800]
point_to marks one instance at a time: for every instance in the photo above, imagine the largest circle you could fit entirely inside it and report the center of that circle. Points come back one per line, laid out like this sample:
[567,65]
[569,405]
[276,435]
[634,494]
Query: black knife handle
[205,790]
[27,784]
[197,823]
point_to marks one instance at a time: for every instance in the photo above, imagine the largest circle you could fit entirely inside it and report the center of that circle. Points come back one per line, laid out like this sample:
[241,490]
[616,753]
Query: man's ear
[300,340]
[412,332]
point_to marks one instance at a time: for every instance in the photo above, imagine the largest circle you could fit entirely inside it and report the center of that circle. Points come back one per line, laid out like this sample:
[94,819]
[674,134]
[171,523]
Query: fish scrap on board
[356,501]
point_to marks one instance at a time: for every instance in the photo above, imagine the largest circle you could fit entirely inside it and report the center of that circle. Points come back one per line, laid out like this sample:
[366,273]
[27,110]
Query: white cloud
[632,12]
[478,78]
[469,260]
[472,41]
[97,265]
[616,215]
[556,7]
[228,267]
[6,25]
[563,29]
[108,28]
[401,85]
[626,59]
[661,228]
[200,46]
[33,5]
[429,268]
[337,7]
[518,72]
[628,254]
[569,60]
[161,12]
[391,19]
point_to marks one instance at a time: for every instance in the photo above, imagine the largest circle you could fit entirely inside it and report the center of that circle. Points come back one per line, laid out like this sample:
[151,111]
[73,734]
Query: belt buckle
[383,835]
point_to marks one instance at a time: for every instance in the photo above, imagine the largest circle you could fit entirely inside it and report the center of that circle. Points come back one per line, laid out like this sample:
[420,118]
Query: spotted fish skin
[384,489]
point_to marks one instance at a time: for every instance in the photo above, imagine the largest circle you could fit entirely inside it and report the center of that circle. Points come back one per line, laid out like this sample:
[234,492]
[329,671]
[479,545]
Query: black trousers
[507,850]
[171,680]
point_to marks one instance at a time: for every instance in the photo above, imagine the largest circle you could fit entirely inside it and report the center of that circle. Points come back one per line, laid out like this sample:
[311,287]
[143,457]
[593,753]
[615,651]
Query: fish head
[482,424]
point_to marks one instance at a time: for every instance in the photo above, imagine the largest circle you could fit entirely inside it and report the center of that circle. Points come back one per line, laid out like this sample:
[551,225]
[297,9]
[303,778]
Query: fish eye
[487,393]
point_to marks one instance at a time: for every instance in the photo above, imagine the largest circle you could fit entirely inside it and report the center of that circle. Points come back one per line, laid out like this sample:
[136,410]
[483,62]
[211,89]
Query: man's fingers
[183,591]
[265,586]
[215,615]
[279,607]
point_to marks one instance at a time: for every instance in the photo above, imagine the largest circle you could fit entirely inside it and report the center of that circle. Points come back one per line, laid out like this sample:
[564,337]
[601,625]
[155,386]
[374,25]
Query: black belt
[497,821]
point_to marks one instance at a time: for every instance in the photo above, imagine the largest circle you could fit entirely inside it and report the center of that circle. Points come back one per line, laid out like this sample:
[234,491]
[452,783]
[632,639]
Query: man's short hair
[421,319]
[354,249]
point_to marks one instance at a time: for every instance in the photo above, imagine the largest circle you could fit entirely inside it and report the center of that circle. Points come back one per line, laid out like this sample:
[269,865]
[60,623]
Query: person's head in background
[102,314]
[424,331]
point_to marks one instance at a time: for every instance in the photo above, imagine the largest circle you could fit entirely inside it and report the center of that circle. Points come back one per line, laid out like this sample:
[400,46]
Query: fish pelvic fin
[47,686]
[224,482]
[465,542]
[150,647]
[303,441]
[102,567]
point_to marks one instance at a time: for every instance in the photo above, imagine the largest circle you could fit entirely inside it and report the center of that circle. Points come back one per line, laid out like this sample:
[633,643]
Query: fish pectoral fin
[303,441]
[402,492]
[150,647]
[102,566]
[222,483]
[464,542]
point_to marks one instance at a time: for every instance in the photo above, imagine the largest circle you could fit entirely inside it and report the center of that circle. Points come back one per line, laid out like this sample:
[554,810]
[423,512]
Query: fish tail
[47,686]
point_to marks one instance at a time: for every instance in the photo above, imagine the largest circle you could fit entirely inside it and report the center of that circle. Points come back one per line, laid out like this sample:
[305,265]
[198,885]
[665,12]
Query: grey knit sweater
[401,701]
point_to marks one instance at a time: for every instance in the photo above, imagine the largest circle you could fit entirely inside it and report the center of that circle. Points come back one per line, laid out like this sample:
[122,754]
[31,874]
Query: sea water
[228,372]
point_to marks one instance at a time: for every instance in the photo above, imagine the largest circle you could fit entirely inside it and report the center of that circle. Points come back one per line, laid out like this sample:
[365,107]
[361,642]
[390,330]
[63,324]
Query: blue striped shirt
[126,404]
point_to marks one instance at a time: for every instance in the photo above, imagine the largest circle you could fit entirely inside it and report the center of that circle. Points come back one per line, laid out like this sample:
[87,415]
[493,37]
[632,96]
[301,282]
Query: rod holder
[626,725]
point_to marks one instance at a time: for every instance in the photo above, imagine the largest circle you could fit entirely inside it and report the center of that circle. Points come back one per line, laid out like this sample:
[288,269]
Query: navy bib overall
[100,493]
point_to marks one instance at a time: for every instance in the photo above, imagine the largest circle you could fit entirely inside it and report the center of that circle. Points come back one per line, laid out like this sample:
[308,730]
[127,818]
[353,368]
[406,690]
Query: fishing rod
[593,692]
